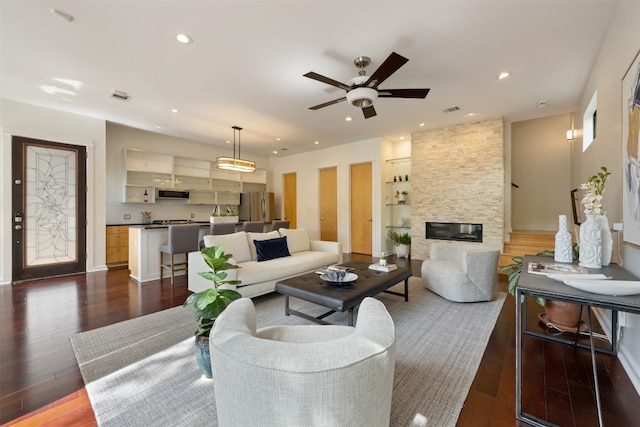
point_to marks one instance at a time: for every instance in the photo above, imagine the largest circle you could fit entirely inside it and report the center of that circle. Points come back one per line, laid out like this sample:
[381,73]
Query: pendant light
[233,163]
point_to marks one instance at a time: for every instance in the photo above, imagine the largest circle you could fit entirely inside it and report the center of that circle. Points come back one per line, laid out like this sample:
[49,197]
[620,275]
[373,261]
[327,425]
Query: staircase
[526,243]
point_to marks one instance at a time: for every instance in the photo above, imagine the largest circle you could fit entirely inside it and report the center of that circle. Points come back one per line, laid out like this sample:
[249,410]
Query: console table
[535,285]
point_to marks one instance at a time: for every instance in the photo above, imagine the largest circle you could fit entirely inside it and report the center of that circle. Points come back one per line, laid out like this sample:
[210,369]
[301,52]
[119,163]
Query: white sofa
[260,277]
[303,375]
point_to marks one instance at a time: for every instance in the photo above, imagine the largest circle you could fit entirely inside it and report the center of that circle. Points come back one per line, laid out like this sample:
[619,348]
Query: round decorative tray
[348,279]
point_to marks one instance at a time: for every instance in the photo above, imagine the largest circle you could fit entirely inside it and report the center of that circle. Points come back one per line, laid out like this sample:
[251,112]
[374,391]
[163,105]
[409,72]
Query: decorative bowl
[342,279]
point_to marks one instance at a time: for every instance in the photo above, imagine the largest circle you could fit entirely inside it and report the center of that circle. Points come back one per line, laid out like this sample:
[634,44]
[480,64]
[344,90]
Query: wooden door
[49,212]
[290,198]
[361,211]
[328,182]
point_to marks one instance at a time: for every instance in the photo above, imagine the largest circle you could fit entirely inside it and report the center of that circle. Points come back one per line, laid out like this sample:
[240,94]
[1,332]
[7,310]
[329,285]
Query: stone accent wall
[458,176]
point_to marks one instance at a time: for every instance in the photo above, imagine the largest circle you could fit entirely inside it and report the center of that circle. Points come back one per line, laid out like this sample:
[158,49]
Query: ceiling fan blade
[369,111]
[403,93]
[388,67]
[326,104]
[327,80]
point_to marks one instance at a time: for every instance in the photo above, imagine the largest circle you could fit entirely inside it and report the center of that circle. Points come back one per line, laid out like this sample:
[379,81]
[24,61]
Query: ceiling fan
[362,91]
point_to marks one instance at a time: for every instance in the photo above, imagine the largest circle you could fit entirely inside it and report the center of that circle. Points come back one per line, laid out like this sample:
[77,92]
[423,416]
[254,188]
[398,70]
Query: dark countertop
[152,226]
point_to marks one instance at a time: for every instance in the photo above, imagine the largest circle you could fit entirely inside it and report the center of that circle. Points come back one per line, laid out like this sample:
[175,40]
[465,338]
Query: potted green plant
[559,313]
[211,302]
[401,242]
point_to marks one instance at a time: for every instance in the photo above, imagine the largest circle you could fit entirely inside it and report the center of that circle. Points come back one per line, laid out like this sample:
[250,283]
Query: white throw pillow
[259,236]
[235,244]
[297,239]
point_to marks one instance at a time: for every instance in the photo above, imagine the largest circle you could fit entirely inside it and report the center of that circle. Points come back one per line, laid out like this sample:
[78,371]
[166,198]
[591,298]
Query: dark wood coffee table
[310,287]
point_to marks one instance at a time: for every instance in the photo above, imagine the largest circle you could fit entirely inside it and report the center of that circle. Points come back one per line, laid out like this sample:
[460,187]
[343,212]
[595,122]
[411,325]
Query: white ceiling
[246,63]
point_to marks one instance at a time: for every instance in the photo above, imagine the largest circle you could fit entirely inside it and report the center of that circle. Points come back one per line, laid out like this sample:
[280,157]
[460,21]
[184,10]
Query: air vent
[451,109]
[284,149]
[122,96]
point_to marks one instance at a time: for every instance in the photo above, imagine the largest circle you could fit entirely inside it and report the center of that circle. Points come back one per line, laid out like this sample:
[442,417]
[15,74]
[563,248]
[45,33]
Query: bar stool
[182,240]
[223,228]
[253,226]
[277,225]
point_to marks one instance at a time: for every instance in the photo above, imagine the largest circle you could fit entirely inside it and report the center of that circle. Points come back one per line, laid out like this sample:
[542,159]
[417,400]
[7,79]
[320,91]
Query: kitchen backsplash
[159,211]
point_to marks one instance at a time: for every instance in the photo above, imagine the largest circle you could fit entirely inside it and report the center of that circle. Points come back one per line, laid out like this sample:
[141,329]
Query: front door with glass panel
[48,209]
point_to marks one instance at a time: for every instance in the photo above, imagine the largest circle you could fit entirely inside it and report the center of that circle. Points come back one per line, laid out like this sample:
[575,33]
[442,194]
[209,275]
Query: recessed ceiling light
[175,110]
[471,114]
[316,142]
[158,127]
[402,137]
[184,38]
[228,142]
[277,139]
[503,75]
[421,124]
[544,103]
[275,151]
[348,119]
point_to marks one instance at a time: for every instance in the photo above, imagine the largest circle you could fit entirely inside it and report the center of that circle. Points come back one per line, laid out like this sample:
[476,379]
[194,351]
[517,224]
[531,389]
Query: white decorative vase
[563,249]
[606,240]
[403,251]
[401,221]
[590,243]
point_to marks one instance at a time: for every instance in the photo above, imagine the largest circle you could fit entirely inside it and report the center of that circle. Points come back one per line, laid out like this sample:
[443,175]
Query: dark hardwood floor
[40,383]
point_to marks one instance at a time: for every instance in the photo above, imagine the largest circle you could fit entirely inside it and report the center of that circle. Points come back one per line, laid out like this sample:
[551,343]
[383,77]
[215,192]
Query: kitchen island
[144,250]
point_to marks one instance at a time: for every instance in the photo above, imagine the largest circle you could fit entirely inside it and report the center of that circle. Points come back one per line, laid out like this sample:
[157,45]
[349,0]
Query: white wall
[50,125]
[307,165]
[618,50]
[541,158]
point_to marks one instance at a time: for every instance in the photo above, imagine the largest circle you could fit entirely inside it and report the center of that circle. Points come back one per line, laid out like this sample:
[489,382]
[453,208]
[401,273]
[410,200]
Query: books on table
[547,268]
[385,268]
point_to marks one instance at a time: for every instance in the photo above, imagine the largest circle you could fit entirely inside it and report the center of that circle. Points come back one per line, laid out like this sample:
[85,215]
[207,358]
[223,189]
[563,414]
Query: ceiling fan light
[362,97]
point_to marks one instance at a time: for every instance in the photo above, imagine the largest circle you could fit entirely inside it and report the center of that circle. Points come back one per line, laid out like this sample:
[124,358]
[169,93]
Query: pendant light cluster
[233,163]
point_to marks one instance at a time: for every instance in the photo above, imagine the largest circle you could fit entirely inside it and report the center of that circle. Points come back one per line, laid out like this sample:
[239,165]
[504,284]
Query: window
[589,122]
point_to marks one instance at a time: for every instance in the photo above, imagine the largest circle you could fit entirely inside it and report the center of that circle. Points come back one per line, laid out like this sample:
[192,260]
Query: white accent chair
[303,375]
[461,272]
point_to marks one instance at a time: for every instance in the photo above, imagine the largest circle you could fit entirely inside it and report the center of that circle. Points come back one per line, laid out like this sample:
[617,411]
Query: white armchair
[303,375]
[461,272]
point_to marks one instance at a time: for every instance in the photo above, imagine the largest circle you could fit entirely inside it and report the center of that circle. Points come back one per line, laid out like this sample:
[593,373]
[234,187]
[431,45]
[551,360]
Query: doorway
[361,211]
[328,190]
[290,198]
[49,210]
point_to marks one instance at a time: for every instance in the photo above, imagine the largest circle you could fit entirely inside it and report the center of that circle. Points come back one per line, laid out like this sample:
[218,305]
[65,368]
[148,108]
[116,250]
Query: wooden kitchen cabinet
[117,245]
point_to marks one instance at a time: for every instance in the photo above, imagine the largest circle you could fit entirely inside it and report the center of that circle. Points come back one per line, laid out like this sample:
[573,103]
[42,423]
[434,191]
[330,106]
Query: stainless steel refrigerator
[256,206]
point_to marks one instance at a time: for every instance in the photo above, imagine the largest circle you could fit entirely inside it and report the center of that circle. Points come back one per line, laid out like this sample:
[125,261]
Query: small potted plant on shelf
[401,242]
[401,196]
[211,302]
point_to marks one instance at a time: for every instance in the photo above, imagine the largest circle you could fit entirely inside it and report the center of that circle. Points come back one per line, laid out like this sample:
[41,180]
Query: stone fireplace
[458,177]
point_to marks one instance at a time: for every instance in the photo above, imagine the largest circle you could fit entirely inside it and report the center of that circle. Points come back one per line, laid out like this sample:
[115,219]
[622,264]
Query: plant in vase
[564,316]
[595,236]
[383,259]
[402,243]
[211,302]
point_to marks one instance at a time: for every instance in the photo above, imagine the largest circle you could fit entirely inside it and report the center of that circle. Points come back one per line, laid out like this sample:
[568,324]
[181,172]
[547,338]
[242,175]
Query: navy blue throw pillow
[271,248]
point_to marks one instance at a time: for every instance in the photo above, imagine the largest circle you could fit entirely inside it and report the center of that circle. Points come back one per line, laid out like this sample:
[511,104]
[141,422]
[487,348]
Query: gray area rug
[142,372]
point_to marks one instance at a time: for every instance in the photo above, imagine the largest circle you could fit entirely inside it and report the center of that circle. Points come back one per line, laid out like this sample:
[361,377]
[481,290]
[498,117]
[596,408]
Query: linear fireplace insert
[459,231]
